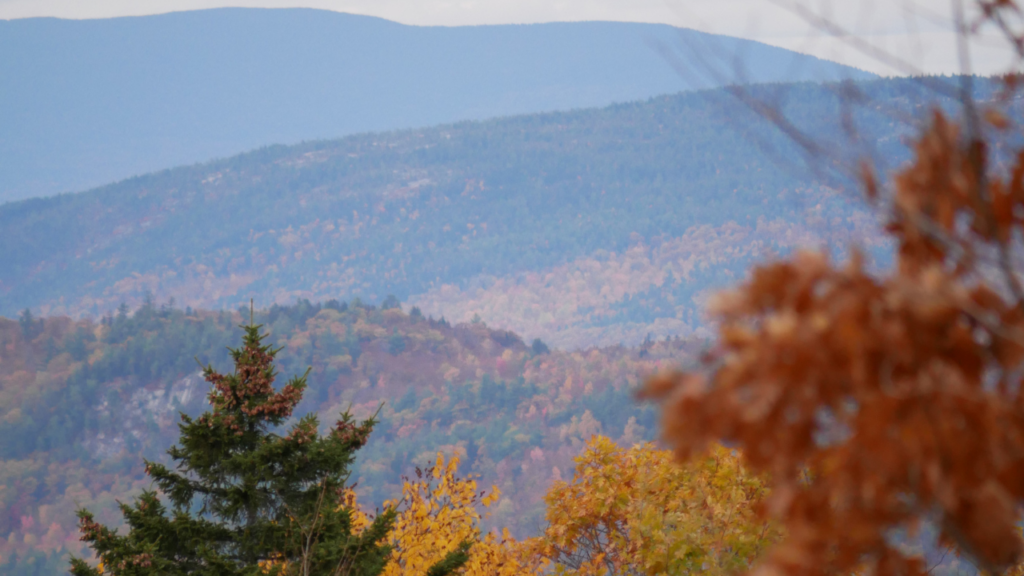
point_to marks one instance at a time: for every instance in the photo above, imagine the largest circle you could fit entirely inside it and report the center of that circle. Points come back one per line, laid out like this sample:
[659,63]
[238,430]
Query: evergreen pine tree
[244,500]
[30,326]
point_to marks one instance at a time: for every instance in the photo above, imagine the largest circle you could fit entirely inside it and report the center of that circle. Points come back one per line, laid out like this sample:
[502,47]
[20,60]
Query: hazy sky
[919,32]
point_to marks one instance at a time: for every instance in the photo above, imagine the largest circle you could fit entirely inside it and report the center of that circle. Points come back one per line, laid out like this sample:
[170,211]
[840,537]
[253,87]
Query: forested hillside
[528,221]
[80,401]
[86,102]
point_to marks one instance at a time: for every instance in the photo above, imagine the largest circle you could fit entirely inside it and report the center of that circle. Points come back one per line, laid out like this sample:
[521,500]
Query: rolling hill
[86,102]
[583,228]
[82,401]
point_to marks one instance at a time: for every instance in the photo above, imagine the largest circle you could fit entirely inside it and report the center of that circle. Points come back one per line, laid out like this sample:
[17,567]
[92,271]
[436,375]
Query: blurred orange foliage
[879,401]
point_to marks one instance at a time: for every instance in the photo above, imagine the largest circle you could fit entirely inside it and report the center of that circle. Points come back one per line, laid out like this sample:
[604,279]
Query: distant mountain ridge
[87,102]
[590,227]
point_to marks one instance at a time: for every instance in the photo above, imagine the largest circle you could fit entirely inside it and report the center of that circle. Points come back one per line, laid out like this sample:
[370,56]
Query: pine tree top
[242,496]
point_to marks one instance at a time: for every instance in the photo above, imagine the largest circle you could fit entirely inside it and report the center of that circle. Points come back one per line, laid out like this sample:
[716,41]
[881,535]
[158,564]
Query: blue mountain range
[86,102]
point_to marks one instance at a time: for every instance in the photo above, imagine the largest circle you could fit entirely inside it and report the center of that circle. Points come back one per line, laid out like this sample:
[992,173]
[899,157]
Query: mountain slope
[88,102]
[441,216]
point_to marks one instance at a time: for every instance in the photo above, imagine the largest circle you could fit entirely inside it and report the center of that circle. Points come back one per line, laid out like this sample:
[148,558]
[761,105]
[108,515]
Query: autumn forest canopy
[773,329]
[587,227]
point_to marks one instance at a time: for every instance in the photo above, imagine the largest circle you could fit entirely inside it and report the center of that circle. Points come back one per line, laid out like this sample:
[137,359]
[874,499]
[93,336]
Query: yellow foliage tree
[438,514]
[622,513]
[635,511]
